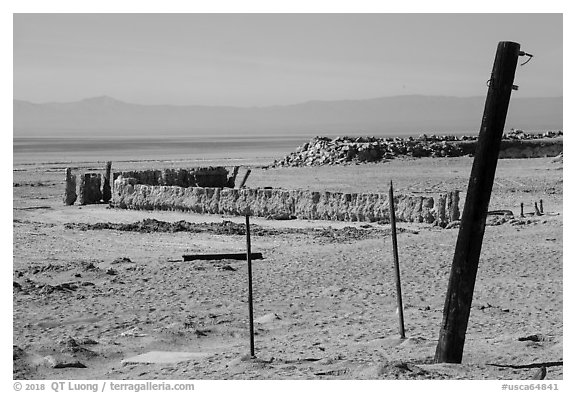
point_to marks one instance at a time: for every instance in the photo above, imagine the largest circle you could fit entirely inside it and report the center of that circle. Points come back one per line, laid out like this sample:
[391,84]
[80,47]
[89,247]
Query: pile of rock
[521,135]
[326,151]
[343,150]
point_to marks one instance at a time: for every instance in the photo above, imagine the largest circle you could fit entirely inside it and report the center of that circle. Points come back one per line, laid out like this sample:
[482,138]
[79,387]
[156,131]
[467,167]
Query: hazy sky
[268,59]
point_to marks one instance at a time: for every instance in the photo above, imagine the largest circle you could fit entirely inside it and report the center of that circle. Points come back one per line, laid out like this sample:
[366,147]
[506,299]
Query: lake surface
[63,150]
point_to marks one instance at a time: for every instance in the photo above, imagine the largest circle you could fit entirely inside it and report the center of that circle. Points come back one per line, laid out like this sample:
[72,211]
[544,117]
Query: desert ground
[85,300]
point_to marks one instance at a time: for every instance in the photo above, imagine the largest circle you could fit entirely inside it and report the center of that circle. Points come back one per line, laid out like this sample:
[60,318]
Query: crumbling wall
[90,188]
[70,195]
[311,205]
[194,177]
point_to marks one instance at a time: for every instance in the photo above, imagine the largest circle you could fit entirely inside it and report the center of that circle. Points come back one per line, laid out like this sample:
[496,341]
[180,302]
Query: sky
[275,59]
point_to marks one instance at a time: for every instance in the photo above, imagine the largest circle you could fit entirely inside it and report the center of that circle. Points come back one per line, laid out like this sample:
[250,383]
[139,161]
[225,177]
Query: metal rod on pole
[469,244]
[396,263]
[250,306]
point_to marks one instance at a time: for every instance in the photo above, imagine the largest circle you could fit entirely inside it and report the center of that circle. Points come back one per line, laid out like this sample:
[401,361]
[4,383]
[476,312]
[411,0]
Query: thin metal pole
[396,263]
[250,306]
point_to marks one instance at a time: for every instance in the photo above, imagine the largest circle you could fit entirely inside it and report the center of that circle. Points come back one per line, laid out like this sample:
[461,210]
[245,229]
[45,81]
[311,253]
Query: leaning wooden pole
[396,263]
[469,244]
[250,306]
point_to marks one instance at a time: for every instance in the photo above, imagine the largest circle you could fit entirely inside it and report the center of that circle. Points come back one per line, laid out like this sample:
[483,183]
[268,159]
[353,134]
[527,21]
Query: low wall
[194,177]
[285,203]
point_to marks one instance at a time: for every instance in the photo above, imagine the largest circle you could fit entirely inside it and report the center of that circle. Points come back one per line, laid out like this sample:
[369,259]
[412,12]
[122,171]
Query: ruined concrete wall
[70,195]
[194,177]
[90,188]
[302,204]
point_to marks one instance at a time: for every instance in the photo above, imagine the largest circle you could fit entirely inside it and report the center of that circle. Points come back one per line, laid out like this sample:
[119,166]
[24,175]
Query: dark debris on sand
[230,228]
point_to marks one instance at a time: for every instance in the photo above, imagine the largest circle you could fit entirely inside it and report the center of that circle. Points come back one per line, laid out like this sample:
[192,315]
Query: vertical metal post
[522,209]
[396,263]
[469,244]
[250,306]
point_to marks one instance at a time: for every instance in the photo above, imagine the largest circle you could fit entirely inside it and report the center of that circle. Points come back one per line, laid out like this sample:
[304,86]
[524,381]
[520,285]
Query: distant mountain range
[106,116]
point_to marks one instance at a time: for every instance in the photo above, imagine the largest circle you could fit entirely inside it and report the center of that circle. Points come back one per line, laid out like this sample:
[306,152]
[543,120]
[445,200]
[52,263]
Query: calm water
[56,150]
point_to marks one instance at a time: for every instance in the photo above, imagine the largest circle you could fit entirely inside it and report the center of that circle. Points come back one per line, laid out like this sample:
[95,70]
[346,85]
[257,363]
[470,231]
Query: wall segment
[280,203]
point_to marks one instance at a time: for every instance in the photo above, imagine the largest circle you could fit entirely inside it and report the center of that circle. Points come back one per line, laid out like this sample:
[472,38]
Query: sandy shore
[324,300]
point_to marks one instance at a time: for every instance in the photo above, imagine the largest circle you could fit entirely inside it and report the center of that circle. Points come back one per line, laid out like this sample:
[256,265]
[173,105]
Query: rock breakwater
[349,150]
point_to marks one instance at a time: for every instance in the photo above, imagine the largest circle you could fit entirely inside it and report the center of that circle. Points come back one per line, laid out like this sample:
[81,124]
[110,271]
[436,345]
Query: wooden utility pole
[396,263]
[250,307]
[469,244]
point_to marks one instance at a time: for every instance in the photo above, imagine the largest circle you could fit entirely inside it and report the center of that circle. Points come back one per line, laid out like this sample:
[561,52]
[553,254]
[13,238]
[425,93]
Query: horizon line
[108,97]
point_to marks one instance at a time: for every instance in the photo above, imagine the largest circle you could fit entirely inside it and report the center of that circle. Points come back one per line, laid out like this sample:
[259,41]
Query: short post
[473,222]
[243,182]
[232,179]
[396,263]
[522,209]
[453,205]
[541,207]
[106,189]
[442,210]
[250,306]
[536,210]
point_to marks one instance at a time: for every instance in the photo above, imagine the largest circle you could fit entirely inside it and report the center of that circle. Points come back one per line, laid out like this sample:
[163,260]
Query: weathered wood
[500,213]
[536,210]
[453,205]
[218,257]
[243,182]
[232,179]
[469,244]
[541,206]
[441,208]
[530,365]
[396,263]
[250,305]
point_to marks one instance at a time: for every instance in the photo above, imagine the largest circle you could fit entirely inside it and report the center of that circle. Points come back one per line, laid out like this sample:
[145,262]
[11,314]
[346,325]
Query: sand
[325,305]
